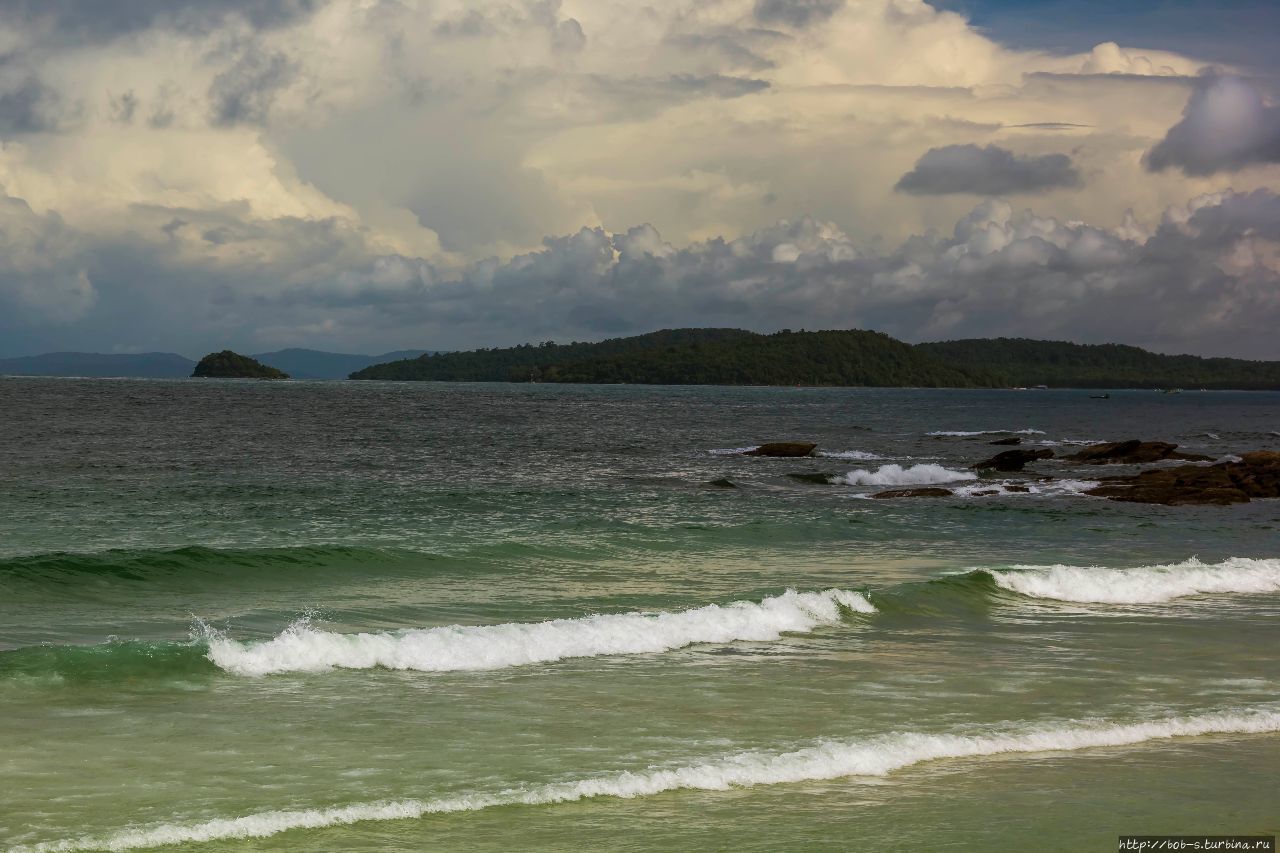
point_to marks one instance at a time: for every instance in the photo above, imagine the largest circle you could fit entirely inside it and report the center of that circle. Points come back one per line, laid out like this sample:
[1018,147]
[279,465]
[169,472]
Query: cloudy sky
[368,175]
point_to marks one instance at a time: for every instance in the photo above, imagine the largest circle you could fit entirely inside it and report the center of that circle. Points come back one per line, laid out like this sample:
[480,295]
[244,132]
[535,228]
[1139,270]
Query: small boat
[1099,396]
[1041,387]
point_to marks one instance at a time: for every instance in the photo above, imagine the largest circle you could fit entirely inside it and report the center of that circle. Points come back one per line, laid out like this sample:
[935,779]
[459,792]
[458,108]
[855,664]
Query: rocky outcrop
[784,449]
[1014,460]
[722,483]
[232,365]
[922,492]
[1011,440]
[1132,452]
[1256,475]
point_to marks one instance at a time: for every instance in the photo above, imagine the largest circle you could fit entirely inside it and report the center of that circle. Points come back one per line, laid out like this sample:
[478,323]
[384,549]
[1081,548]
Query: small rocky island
[232,365]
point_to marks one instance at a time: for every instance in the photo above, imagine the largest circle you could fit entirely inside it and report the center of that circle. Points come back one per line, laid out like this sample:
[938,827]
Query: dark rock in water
[1132,452]
[922,492]
[1013,439]
[722,483]
[783,448]
[814,477]
[232,365]
[1014,487]
[1013,460]
[1256,475]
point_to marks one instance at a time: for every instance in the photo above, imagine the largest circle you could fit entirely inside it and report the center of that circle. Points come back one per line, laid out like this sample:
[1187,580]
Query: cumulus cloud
[796,13]
[1226,125]
[986,171]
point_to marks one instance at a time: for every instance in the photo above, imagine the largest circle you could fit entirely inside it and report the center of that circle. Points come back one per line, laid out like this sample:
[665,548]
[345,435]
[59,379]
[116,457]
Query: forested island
[830,358]
[232,365]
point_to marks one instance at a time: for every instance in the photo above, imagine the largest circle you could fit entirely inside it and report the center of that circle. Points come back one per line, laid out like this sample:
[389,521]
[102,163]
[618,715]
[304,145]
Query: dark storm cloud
[243,93]
[795,13]
[102,20]
[1226,126]
[991,170]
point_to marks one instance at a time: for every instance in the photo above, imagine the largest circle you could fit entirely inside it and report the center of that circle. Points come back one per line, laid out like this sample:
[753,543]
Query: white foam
[303,648]
[1044,488]
[969,433]
[858,455]
[823,761]
[896,475]
[1144,585]
[733,451]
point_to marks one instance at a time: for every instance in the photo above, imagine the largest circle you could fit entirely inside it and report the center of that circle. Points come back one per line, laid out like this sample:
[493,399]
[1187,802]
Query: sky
[371,175]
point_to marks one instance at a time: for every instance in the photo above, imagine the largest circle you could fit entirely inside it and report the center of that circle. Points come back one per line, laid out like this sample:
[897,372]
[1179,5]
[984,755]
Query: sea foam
[304,648]
[1143,585]
[944,433]
[896,475]
[823,761]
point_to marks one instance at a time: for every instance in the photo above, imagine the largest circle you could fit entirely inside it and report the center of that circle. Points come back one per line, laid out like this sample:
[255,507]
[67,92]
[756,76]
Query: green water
[227,609]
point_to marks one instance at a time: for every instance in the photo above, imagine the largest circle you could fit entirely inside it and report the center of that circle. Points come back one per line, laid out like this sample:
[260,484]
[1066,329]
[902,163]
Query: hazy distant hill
[1019,361]
[700,357]
[150,365]
[314,364]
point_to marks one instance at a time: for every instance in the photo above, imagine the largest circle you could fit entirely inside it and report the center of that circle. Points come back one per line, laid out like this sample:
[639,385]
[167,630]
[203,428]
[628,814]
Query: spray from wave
[824,761]
[303,648]
[1143,585]
[896,475]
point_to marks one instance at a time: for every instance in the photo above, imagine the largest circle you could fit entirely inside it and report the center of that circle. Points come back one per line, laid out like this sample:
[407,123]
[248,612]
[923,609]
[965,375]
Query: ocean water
[378,616]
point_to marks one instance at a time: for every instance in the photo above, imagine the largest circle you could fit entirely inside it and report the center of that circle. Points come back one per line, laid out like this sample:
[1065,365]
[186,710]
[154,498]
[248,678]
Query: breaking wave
[1144,585]
[896,475]
[303,648]
[823,761]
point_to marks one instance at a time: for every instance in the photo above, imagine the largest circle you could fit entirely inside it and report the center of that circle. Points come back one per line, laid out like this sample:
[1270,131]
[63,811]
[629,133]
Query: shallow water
[244,613]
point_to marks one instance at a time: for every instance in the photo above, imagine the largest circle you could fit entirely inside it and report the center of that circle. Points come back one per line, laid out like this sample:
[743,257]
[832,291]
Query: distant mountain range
[298,363]
[832,358]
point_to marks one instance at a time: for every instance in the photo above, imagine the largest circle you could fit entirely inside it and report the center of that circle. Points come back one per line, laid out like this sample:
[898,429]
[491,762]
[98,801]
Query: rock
[783,448]
[1014,487]
[1013,439]
[814,477]
[1132,452]
[1013,460]
[232,365]
[922,492]
[722,483]
[1256,475]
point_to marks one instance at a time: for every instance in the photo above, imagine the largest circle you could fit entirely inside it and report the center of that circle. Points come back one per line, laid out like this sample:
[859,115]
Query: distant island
[831,358]
[232,365]
[298,363]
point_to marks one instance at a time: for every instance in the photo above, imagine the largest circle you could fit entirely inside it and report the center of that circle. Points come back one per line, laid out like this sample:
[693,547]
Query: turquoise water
[332,616]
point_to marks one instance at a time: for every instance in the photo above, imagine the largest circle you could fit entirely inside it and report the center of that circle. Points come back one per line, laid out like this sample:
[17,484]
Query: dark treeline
[1019,361]
[835,358]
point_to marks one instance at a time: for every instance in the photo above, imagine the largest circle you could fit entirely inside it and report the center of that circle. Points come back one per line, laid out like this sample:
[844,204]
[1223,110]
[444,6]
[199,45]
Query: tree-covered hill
[520,364]
[698,357]
[233,365]
[1019,361]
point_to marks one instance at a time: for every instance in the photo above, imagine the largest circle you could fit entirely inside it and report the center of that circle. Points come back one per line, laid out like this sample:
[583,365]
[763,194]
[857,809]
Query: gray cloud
[795,13]
[244,92]
[1203,281]
[991,170]
[103,20]
[1225,127]
[29,107]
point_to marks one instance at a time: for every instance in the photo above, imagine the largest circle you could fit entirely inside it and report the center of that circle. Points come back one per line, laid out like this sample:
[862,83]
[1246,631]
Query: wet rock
[722,483]
[784,449]
[1013,460]
[1132,452]
[1256,475]
[922,492]
[1013,439]
[815,477]
[1014,487]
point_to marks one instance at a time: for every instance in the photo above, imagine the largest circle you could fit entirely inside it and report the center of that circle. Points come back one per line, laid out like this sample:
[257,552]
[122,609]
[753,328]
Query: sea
[363,616]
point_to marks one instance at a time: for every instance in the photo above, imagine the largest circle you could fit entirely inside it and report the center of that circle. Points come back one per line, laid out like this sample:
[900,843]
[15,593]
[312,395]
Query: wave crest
[303,648]
[1143,585]
[896,475]
[824,761]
